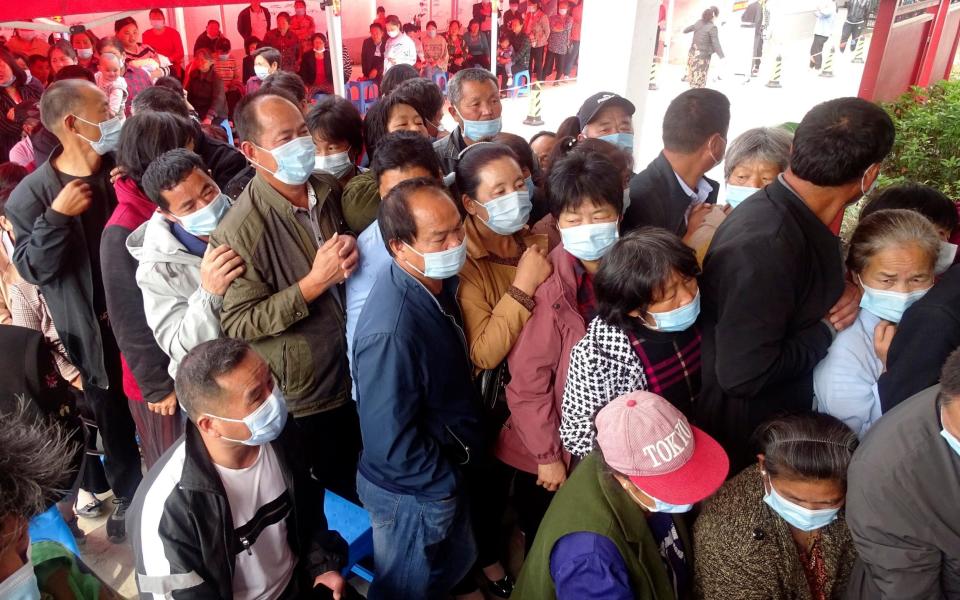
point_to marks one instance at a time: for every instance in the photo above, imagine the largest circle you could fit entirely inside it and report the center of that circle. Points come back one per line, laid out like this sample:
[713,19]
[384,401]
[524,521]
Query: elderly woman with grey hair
[892,257]
[754,159]
[777,530]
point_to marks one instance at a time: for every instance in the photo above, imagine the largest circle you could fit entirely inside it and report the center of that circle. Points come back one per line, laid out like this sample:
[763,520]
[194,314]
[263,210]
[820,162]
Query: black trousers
[487,486]
[332,442]
[816,51]
[850,30]
[536,61]
[531,502]
[553,61]
[117,430]
[757,48]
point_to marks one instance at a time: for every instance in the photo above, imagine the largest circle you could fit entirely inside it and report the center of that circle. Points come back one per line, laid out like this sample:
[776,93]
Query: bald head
[70,97]
[262,113]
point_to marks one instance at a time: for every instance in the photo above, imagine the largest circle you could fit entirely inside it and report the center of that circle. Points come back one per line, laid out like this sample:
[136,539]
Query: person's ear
[248,149]
[762,462]
[205,425]
[397,248]
[456,115]
[873,172]
[468,205]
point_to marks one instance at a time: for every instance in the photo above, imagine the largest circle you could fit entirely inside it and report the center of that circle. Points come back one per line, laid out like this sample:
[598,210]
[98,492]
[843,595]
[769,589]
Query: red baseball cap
[647,439]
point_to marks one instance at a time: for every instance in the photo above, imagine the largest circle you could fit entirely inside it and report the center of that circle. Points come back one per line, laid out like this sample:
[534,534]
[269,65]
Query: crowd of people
[668,391]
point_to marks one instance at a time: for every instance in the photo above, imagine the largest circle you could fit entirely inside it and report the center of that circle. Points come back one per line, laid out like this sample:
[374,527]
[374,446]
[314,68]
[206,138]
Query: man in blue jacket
[417,404]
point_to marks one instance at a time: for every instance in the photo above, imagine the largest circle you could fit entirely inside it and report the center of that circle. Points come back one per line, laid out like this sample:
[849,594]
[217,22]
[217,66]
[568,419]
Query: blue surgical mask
[951,440]
[659,506]
[804,519]
[265,423]
[678,319]
[948,252]
[295,160]
[477,130]
[886,304]
[204,221]
[261,71]
[85,53]
[109,134]
[333,164]
[21,584]
[624,141]
[531,186]
[738,193]
[441,265]
[590,242]
[508,214]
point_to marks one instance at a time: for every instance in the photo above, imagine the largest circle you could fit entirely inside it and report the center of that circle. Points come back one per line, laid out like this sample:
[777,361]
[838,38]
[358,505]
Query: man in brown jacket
[289,303]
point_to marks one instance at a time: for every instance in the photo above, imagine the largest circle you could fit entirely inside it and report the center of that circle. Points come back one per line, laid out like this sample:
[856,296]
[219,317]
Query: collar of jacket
[133,208]
[665,171]
[263,193]
[625,510]
[404,279]
[477,251]
[782,194]
[200,474]
[612,342]
[452,145]
[566,279]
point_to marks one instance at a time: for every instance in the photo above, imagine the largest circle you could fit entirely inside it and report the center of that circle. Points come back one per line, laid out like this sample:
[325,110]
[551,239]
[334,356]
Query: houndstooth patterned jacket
[603,366]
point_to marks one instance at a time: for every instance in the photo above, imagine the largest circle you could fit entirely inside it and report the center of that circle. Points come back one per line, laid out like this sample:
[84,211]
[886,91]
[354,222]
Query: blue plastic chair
[50,526]
[521,84]
[226,127]
[440,78]
[363,94]
[352,522]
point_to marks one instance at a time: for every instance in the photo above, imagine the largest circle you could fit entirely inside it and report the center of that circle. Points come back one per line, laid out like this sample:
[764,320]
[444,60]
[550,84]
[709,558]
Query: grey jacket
[179,311]
[902,507]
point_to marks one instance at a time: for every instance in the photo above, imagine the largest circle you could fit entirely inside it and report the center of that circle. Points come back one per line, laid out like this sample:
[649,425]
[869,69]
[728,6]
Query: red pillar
[878,45]
[933,43]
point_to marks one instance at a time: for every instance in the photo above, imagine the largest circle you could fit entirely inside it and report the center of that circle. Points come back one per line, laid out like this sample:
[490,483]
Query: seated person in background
[753,160]
[286,42]
[205,90]
[337,130]
[777,531]
[645,336]
[316,67]
[673,192]
[209,39]
[435,56]
[477,46]
[390,115]
[940,210]
[38,459]
[586,199]
[266,62]
[774,288]
[250,46]
[263,536]
[109,78]
[902,498]
[892,255]
[182,282]
[617,529]
[371,55]
[399,49]
[504,62]
[400,156]
[229,72]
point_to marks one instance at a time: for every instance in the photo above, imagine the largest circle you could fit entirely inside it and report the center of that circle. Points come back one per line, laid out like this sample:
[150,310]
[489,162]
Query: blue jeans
[420,549]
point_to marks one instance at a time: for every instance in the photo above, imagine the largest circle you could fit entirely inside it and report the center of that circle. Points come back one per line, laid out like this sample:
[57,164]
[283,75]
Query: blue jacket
[419,409]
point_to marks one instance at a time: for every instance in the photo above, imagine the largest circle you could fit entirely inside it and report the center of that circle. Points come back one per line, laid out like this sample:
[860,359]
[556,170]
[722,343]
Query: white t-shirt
[260,504]
[258,24]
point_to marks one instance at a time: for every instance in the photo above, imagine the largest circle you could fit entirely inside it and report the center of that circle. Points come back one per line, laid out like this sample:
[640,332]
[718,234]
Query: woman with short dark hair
[777,530]
[61,54]
[337,130]
[645,336]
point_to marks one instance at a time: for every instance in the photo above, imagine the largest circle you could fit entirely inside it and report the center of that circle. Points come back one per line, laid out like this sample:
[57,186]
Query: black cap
[592,105]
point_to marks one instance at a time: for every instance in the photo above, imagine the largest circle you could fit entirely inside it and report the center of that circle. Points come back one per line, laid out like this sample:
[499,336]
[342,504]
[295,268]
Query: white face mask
[21,584]
[393,34]
[265,423]
[590,242]
[441,265]
[156,24]
[948,252]
[333,164]
[508,214]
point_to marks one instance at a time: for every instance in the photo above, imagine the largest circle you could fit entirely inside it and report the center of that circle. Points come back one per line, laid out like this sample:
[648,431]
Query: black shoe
[92,510]
[502,588]
[78,535]
[117,523]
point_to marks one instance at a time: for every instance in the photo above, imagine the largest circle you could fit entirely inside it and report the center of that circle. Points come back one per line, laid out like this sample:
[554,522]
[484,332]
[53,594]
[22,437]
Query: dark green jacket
[361,201]
[592,500]
[304,344]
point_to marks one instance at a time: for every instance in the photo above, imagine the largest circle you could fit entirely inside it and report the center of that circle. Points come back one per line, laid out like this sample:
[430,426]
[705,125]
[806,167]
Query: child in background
[109,78]
[505,62]
[228,70]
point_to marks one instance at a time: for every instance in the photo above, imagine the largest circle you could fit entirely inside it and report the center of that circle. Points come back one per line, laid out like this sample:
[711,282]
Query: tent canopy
[12,10]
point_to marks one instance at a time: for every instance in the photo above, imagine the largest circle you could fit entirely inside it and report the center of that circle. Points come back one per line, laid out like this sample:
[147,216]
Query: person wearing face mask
[435,52]
[85,44]
[182,282]
[419,410]
[901,501]
[337,130]
[239,442]
[266,62]
[505,266]
[426,98]
[777,530]
[301,24]
[289,302]
[673,192]
[645,336]
[474,96]
[558,44]
[536,26]
[892,256]
[286,42]
[586,198]
[165,40]
[617,528]
[316,66]
[18,100]
[399,48]
[774,289]
[753,160]
[58,214]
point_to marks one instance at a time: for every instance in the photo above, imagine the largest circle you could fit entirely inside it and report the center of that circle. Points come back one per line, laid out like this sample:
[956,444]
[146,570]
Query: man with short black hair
[289,302]
[673,192]
[232,510]
[773,286]
[181,278]
[418,407]
[475,105]
[902,498]
[58,213]
[371,55]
